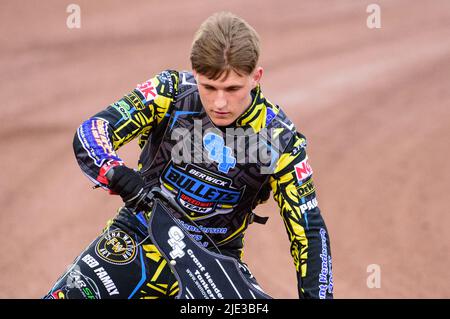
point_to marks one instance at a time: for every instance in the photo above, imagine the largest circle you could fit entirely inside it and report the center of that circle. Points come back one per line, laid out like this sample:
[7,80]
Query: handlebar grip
[109,174]
[157,191]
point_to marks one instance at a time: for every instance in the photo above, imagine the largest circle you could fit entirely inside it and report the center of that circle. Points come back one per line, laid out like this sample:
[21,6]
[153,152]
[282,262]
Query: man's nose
[220,101]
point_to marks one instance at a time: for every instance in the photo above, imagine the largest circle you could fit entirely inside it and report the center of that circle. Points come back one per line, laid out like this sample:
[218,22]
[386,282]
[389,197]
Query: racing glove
[127,183]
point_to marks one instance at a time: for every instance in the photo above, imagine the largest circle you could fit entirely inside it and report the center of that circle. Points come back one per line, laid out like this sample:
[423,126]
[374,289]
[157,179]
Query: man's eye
[209,88]
[232,89]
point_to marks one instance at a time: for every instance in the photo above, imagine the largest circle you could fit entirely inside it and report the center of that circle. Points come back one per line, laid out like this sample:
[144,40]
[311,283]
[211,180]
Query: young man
[216,188]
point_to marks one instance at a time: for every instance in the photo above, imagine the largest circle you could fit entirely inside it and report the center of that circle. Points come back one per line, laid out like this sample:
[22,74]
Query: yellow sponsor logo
[135,101]
[306,188]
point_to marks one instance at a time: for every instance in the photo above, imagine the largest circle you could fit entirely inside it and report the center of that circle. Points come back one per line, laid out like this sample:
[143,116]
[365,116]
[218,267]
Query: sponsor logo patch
[83,283]
[306,188]
[300,147]
[58,294]
[326,273]
[93,135]
[303,170]
[311,204]
[175,241]
[123,108]
[116,247]
[147,89]
[135,101]
[270,116]
[102,274]
[201,191]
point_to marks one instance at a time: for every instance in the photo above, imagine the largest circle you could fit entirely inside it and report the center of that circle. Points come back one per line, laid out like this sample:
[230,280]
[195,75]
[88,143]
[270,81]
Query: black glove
[127,183]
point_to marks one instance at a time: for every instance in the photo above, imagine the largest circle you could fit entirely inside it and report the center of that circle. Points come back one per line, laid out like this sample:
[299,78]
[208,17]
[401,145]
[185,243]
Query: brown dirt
[374,104]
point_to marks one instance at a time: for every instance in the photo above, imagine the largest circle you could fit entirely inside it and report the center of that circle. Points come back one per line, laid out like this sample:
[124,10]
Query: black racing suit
[218,176]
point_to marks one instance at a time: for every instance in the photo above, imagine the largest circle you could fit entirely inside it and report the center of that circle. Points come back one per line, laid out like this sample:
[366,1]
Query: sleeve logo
[303,170]
[147,90]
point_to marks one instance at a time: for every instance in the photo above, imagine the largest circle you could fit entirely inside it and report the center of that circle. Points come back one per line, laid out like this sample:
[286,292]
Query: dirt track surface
[374,104]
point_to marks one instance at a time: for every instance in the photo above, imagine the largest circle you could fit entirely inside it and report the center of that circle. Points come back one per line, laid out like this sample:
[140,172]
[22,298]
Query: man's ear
[257,75]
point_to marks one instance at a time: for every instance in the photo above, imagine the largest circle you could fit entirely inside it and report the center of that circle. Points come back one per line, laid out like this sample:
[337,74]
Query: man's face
[225,99]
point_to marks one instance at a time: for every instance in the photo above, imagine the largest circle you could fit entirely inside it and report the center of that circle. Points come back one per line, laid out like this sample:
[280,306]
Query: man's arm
[136,114]
[295,194]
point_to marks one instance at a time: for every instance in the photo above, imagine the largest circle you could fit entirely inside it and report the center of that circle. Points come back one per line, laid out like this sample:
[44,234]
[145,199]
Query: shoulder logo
[270,116]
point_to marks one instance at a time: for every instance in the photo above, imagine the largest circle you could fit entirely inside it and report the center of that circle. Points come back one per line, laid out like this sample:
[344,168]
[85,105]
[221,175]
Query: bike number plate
[201,274]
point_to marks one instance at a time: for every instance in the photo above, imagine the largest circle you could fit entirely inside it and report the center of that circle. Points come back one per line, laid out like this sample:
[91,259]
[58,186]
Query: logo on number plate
[175,241]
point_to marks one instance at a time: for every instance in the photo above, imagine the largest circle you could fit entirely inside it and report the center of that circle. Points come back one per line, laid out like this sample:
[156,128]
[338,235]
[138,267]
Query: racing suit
[217,185]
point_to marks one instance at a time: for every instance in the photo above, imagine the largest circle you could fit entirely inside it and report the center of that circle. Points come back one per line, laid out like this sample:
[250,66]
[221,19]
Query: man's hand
[127,183]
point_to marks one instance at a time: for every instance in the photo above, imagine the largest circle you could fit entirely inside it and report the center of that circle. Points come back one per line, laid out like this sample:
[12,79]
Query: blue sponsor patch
[270,116]
[93,135]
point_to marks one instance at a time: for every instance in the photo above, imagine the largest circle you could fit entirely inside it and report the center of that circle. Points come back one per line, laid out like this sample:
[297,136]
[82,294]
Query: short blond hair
[224,42]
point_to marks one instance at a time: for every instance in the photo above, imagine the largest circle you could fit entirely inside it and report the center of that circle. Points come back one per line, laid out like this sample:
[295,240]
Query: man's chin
[222,121]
